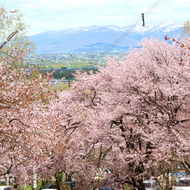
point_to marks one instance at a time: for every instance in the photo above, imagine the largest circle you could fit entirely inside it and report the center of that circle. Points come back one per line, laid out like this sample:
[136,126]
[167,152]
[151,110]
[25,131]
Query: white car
[183,183]
[151,185]
[6,188]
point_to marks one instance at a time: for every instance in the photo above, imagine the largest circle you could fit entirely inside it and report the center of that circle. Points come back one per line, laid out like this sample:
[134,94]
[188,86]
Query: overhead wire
[150,9]
[122,36]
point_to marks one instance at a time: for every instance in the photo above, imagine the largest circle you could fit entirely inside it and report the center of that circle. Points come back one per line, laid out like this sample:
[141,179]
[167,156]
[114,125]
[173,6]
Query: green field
[64,65]
[64,60]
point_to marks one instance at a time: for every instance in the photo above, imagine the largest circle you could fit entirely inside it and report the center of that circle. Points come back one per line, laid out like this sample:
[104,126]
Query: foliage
[132,116]
[23,97]
[186,28]
[12,32]
[134,112]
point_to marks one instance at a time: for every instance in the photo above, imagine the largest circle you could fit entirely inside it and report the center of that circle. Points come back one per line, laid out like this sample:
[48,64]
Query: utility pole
[143,19]
[34,178]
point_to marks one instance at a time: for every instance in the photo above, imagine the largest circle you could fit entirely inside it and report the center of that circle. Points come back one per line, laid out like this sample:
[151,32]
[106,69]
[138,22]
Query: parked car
[54,186]
[151,185]
[183,183]
[6,188]
[50,186]
[70,183]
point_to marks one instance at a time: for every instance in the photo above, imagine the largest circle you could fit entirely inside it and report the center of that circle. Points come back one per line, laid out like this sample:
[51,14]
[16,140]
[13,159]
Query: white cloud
[61,14]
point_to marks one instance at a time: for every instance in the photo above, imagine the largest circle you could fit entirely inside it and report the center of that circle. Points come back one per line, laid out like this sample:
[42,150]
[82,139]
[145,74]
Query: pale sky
[44,15]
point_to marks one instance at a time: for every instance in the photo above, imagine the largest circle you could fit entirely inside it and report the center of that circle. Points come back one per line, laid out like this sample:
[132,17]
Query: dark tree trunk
[140,184]
[59,182]
[68,177]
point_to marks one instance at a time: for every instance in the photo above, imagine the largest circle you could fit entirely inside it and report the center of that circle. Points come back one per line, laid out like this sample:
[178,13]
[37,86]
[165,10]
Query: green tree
[13,32]
[186,28]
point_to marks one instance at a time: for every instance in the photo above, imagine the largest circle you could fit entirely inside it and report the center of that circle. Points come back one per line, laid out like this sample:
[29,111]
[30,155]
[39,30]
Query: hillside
[98,38]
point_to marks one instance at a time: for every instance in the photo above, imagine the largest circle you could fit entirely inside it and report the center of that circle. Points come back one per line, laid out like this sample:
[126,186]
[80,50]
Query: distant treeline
[67,73]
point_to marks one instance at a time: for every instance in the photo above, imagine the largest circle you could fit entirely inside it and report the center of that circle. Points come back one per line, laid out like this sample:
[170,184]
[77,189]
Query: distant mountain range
[99,38]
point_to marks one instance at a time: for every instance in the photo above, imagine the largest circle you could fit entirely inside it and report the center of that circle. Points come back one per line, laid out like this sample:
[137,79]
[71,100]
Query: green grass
[39,184]
[70,63]
[30,187]
[59,86]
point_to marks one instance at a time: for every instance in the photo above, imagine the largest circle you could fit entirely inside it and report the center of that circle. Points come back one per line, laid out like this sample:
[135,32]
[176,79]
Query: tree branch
[8,39]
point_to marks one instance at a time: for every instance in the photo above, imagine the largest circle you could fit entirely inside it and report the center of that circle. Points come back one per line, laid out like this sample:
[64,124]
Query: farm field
[65,60]
[64,64]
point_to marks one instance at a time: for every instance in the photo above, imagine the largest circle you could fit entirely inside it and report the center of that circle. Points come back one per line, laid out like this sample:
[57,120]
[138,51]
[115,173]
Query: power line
[146,13]
[150,9]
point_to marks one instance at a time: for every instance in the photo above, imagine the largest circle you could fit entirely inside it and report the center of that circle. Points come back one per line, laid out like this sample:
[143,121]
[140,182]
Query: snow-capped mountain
[159,27]
[96,38]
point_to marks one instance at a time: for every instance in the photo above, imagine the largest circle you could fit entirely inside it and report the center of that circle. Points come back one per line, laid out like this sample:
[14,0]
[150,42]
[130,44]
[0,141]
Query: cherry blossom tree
[21,92]
[137,109]
[30,134]
[131,117]
[23,98]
